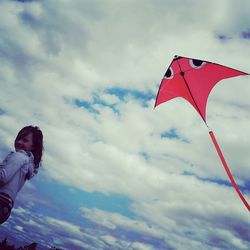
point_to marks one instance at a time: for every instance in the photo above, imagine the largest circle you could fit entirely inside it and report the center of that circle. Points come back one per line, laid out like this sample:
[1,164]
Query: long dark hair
[37,150]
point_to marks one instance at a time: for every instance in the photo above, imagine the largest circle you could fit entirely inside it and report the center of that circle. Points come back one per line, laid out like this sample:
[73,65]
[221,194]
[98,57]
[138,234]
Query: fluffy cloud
[54,53]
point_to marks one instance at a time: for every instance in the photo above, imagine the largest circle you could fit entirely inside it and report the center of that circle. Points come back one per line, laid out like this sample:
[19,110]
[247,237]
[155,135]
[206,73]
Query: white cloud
[51,56]
[193,228]
[19,228]
[64,226]
[114,220]
[141,246]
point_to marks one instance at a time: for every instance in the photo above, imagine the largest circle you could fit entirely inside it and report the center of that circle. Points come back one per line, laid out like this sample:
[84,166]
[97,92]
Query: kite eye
[169,74]
[197,64]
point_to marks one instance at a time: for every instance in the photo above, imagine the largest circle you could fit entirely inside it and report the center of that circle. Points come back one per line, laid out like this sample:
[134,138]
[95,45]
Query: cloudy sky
[117,173]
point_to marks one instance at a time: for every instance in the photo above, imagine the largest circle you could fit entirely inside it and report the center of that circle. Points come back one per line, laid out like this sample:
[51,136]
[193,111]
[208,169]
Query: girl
[19,166]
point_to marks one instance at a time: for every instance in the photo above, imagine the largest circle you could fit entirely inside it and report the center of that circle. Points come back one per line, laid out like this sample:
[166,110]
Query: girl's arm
[11,165]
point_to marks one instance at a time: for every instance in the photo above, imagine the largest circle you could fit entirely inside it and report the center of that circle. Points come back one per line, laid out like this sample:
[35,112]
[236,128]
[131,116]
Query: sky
[117,173]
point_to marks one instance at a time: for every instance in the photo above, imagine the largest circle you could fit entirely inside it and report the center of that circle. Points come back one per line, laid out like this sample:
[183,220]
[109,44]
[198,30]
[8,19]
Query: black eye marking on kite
[169,74]
[196,64]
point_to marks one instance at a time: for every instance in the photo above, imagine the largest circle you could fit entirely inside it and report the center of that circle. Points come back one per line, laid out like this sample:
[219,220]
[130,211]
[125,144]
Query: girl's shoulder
[19,156]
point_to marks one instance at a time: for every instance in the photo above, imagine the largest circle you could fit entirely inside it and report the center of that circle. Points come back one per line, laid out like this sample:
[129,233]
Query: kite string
[227,169]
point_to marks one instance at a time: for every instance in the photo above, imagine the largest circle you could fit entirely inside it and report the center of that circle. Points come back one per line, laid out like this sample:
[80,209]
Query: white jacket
[16,168]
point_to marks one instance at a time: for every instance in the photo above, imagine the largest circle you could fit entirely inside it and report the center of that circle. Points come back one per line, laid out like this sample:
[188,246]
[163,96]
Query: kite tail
[227,170]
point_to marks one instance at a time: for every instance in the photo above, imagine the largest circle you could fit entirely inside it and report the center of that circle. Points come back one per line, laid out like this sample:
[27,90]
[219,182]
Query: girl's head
[30,138]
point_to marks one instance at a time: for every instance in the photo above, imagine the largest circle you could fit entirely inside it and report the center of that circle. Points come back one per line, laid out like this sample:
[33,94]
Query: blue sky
[117,173]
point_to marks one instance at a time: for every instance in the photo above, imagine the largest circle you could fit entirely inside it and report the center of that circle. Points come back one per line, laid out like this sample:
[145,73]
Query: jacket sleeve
[11,165]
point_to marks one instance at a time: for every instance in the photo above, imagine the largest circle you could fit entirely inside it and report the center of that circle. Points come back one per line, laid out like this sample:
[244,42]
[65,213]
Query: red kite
[193,79]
